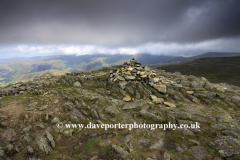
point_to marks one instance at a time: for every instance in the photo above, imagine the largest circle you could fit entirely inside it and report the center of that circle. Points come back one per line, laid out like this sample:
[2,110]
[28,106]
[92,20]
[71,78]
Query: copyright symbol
[59,125]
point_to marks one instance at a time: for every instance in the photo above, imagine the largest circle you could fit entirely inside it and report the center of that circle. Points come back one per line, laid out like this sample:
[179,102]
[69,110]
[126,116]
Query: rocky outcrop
[123,94]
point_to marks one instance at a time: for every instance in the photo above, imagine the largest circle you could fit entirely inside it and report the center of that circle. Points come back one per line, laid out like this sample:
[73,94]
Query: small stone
[120,78]
[32,104]
[122,85]
[77,84]
[2,153]
[153,97]
[150,115]
[127,138]
[40,126]
[29,149]
[120,151]
[158,101]
[68,132]
[144,142]
[94,114]
[4,123]
[130,78]
[166,156]
[200,151]
[99,122]
[194,142]
[105,143]
[43,107]
[179,150]
[154,80]
[160,88]
[47,117]
[8,135]
[127,99]
[94,98]
[10,147]
[143,76]
[130,69]
[112,110]
[27,137]
[190,92]
[50,138]
[158,145]
[55,128]
[55,120]
[169,104]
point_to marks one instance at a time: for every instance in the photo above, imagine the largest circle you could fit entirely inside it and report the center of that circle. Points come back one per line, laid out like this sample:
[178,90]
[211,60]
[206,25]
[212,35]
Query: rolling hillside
[12,70]
[206,55]
[216,70]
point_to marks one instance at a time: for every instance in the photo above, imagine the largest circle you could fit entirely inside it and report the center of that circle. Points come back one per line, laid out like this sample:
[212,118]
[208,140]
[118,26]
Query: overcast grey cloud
[116,24]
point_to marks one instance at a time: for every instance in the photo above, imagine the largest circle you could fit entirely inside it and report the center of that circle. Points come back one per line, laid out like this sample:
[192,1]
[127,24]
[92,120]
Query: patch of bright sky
[174,49]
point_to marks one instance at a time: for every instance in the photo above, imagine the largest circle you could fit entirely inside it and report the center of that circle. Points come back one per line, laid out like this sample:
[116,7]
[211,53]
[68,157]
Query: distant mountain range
[13,68]
[215,69]
[209,54]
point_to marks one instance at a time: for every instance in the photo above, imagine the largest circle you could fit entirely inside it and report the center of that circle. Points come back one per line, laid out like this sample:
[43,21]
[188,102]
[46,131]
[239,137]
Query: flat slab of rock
[94,114]
[120,78]
[158,145]
[150,115]
[50,138]
[160,88]
[112,110]
[43,144]
[105,143]
[134,104]
[144,142]
[120,151]
[32,104]
[43,107]
[158,101]
[122,85]
[9,135]
[222,144]
[55,120]
[68,132]
[154,80]
[27,137]
[200,151]
[126,138]
[27,129]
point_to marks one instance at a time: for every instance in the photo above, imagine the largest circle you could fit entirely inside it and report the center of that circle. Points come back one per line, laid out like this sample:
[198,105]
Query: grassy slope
[13,72]
[205,55]
[42,74]
[216,70]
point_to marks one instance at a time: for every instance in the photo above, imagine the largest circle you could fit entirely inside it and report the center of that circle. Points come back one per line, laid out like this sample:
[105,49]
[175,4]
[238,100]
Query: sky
[169,27]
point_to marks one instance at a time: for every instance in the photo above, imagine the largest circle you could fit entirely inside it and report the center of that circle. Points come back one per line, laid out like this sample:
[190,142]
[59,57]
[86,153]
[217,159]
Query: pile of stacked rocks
[134,71]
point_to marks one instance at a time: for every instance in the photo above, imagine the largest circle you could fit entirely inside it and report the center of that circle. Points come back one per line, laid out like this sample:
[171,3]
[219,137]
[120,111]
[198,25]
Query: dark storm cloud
[117,22]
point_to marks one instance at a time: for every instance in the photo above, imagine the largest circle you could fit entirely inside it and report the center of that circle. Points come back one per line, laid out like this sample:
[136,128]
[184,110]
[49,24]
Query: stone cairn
[134,71]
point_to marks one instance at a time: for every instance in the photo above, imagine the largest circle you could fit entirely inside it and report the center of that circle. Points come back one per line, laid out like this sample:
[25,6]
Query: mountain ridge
[215,69]
[123,94]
